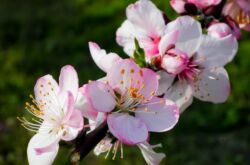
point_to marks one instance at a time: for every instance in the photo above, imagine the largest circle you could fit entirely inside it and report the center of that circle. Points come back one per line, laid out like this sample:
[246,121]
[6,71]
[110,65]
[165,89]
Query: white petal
[168,41]
[68,80]
[125,37]
[165,81]
[103,60]
[41,140]
[190,34]
[150,156]
[147,16]
[213,85]
[216,52]
[181,94]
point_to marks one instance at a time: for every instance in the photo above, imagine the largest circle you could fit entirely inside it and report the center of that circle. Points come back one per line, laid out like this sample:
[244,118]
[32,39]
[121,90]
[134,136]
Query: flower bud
[219,30]
[175,61]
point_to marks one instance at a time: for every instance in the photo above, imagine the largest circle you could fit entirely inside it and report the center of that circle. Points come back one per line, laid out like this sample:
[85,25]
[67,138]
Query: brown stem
[85,143]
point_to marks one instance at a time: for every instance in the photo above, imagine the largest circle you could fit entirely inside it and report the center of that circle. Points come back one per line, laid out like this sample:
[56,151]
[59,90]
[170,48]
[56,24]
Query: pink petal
[219,30]
[73,126]
[150,156]
[101,96]
[213,85]
[178,5]
[124,74]
[38,141]
[244,4]
[181,93]
[216,52]
[103,60]
[150,83]
[204,3]
[84,105]
[68,80]
[127,129]
[159,114]
[68,107]
[168,41]
[190,34]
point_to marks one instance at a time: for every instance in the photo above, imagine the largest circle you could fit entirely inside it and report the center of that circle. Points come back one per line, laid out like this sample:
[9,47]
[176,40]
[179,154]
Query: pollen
[121,82]
[140,73]
[122,71]
[132,71]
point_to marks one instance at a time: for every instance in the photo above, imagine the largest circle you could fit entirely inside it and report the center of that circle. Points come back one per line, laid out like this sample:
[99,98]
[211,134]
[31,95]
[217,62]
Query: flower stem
[85,143]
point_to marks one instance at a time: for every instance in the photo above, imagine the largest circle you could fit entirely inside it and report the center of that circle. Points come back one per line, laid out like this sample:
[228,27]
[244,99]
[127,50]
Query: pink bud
[175,61]
[219,30]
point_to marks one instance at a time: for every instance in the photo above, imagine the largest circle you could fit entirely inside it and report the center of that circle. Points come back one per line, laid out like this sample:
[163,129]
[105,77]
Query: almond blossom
[57,118]
[128,98]
[194,63]
[239,10]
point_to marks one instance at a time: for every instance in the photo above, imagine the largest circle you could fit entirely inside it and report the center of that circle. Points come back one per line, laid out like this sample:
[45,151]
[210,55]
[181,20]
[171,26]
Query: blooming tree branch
[170,63]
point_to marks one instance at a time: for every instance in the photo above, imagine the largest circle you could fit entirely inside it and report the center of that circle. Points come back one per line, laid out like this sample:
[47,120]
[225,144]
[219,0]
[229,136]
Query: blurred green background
[40,36]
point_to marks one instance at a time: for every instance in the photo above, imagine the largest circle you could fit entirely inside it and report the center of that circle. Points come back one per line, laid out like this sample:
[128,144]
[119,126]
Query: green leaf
[139,55]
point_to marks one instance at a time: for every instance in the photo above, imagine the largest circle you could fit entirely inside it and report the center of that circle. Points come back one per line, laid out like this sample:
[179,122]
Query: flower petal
[181,93]
[213,85]
[125,36]
[219,30]
[159,114]
[41,140]
[150,156]
[178,5]
[127,129]
[165,81]
[84,105]
[73,126]
[215,52]
[68,107]
[68,80]
[145,15]
[103,60]
[124,74]
[150,83]
[190,34]
[168,41]
[101,96]
[46,91]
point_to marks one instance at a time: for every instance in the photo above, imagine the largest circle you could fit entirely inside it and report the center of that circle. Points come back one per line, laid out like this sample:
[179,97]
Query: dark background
[38,37]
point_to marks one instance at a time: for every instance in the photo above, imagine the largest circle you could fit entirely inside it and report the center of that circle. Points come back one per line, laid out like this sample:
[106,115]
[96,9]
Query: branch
[85,143]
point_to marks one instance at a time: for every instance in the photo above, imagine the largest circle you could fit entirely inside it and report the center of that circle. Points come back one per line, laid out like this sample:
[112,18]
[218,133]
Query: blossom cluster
[169,63]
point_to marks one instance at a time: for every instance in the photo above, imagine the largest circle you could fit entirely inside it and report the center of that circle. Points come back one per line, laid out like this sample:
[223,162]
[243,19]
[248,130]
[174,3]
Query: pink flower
[179,5]
[195,62]
[57,118]
[128,98]
[239,10]
[145,22]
